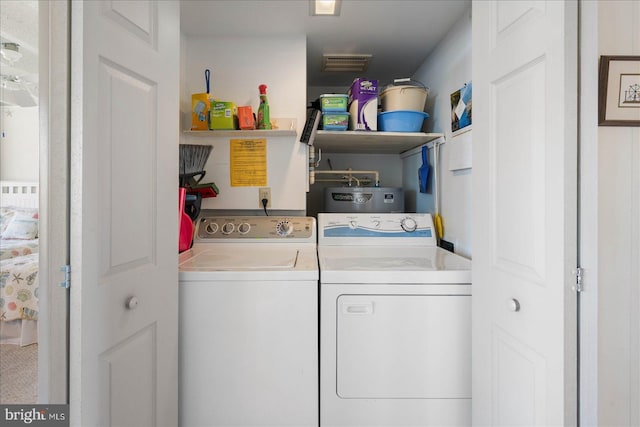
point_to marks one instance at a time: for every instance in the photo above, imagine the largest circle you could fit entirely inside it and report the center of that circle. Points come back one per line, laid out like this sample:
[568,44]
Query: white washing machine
[395,323]
[249,323]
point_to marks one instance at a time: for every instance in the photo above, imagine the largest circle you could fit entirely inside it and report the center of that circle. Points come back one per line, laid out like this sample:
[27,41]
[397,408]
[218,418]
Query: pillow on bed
[5,218]
[22,225]
[12,210]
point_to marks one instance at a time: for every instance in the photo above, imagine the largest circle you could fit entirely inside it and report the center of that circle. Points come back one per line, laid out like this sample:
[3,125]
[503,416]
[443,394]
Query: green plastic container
[333,103]
[335,121]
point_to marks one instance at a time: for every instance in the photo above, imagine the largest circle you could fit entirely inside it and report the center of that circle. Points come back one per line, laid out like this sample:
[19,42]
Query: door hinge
[66,269]
[578,287]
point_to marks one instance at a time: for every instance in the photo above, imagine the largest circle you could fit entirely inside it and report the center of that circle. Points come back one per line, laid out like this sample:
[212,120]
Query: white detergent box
[363,104]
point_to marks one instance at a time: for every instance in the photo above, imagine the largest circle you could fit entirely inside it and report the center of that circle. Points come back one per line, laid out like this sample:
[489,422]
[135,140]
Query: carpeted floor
[18,374]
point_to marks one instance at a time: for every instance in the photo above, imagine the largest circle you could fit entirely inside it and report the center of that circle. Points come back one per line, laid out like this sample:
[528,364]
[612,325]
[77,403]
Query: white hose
[349,174]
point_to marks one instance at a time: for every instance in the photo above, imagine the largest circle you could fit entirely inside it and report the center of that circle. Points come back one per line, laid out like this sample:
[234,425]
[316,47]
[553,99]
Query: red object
[186,226]
[205,192]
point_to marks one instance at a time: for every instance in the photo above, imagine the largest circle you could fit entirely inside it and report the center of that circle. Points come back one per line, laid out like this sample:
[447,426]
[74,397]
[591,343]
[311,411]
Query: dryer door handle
[358,308]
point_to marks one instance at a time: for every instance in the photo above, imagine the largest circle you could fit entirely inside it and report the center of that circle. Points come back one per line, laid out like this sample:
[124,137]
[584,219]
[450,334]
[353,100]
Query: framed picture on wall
[461,109]
[619,91]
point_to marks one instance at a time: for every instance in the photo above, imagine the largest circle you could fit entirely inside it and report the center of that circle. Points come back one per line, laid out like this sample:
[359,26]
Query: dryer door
[403,346]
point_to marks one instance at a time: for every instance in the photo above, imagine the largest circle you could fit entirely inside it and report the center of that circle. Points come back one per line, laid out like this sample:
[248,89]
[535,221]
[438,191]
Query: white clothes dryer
[249,323]
[395,323]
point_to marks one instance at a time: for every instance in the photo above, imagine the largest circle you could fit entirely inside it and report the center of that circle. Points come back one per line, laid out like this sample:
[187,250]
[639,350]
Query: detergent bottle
[264,120]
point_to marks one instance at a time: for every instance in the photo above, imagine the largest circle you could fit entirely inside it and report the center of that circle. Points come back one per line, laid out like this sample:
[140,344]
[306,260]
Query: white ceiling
[399,34]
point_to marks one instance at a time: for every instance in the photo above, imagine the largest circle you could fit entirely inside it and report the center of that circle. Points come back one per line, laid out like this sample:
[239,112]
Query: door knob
[132,302]
[513,305]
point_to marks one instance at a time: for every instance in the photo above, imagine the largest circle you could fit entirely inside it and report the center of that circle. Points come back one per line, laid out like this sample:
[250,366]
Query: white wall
[19,143]
[238,66]
[446,70]
[619,238]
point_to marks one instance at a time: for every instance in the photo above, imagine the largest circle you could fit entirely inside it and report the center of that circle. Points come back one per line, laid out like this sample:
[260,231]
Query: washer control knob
[244,228]
[211,228]
[408,224]
[375,223]
[228,228]
[284,228]
[353,225]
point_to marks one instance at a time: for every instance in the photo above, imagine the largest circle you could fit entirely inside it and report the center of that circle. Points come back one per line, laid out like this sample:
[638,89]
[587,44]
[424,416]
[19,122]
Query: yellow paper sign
[248,162]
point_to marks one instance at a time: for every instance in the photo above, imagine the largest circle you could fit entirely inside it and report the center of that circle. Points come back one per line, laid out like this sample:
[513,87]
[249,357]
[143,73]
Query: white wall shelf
[257,133]
[371,142]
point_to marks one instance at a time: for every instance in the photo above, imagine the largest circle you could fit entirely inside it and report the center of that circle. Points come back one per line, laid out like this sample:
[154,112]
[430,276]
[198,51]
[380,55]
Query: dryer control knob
[408,224]
[244,228]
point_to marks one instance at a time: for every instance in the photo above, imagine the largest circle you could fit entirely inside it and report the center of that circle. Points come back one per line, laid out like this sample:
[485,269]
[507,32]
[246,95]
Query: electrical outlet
[264,193]
[446,245]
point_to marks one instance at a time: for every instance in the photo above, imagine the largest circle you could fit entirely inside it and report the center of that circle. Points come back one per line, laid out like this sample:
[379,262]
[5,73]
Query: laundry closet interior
[374,204]
[244,49]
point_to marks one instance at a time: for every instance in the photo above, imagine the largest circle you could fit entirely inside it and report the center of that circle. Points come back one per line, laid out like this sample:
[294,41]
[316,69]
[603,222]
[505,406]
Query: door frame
[54,58]
[53,234]
[588,214]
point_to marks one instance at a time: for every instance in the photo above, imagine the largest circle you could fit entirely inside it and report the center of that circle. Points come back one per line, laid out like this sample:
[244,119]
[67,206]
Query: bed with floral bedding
[18,271]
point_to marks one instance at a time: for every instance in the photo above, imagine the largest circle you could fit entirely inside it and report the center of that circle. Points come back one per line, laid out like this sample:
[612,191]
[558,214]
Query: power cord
[264,205]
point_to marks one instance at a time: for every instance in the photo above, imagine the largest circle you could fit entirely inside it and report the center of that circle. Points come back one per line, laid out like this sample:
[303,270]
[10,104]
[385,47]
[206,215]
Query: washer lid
[253,258]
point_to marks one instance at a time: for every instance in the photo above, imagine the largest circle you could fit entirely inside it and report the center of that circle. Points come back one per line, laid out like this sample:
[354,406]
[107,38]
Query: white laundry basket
[404,96]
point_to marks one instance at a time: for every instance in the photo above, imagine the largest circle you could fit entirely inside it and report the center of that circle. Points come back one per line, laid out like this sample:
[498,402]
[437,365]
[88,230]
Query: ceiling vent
[345,62]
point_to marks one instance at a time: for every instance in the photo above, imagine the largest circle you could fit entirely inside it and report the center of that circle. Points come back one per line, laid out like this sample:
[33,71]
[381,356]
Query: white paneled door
[525,212]
[124,169]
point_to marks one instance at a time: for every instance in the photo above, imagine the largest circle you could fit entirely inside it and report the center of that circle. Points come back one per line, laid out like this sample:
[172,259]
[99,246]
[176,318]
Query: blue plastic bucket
[401,121]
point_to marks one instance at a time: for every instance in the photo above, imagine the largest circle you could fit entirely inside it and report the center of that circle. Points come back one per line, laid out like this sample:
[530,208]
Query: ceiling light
[324,7]
[345,62]
[10,51]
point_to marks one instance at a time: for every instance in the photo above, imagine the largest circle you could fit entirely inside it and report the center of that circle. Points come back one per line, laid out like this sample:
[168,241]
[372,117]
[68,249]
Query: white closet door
[524,209]
[124,213]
